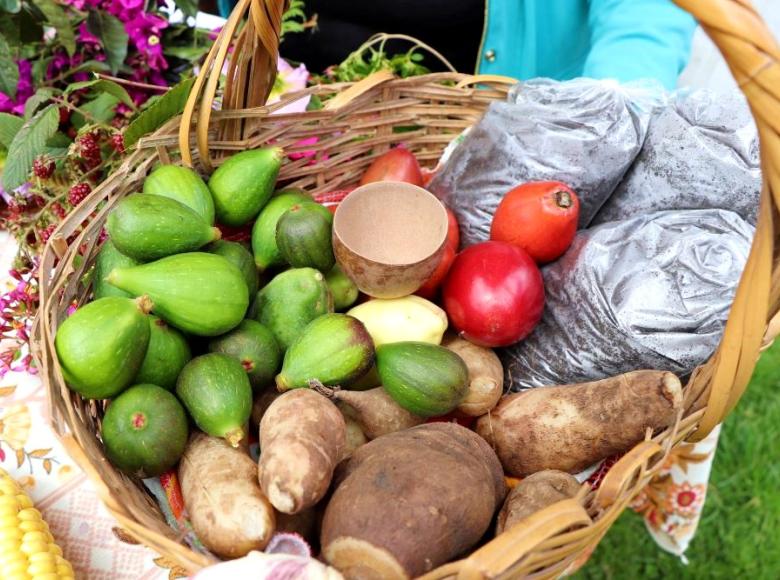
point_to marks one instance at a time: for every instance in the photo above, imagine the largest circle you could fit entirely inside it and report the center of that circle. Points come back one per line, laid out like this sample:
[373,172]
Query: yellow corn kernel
[27,548]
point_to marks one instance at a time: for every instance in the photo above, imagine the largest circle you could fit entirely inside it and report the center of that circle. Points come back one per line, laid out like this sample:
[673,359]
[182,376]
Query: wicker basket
[551,541]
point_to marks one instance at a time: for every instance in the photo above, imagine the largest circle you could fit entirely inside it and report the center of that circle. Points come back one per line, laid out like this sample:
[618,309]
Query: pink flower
[85,36]
[289,80]
[24,90]
[82,4]
[125,10]
[144,31]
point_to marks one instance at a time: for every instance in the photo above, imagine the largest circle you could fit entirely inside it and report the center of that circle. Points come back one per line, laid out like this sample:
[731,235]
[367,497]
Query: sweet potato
[410,501]
[229,512]
[570,427]
[486,375]
[355,435]
[534,493]
[302,438]
[374,410]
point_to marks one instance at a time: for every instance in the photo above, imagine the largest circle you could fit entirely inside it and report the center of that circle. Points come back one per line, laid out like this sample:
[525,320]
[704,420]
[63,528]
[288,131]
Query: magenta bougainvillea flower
[144,31]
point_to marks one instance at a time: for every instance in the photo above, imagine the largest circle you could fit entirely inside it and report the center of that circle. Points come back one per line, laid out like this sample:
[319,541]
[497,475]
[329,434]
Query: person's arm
[633,39]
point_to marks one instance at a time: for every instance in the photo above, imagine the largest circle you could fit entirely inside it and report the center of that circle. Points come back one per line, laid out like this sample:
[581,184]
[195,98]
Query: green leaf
[9,127]
[188,53]
[100,110]
[12,6]
[9,27]
[57,145]
[103,86]
[28,143]
[111,32]
[189,7]
[164,107]
[39,68]
[9,72]
[57,18]
[34,102]
[30,28]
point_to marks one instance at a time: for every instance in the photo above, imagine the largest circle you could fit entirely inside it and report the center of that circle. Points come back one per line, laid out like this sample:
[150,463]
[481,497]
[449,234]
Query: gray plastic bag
[583,132]
[701,152]
[652,292]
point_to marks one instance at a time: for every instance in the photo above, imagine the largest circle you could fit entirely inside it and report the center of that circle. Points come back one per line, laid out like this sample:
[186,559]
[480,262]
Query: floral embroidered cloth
[100,550]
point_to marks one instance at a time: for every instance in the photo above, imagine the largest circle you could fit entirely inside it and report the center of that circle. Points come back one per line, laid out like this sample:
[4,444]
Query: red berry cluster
[43,167]
[88,149]
[78,192]
[46,232]
[118,142]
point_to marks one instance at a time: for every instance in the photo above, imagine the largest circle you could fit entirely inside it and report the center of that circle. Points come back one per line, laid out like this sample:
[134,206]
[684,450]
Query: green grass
[739,533]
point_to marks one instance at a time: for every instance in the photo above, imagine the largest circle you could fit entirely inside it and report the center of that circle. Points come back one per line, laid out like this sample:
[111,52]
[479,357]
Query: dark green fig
[255,347]
[303,236]
[215,390]
[101,346]
[264,246]
[425,379]
[145,431]
[333,349]
[166,355]
[199,293]
[291,301]
[148,227]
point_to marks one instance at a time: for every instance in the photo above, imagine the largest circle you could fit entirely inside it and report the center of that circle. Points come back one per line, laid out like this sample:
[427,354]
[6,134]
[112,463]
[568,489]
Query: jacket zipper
[482,40]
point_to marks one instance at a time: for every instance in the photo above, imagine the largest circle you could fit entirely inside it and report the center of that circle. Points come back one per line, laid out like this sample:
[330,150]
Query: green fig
[183,185]
[343,290]
[101,346]
[255,347]
[166,355]
[147,227]
[333,349]
[107,259]
[291,301]
[303,236]
[215,390]
[241,258]
[264,246]
[199,293]
[242,185]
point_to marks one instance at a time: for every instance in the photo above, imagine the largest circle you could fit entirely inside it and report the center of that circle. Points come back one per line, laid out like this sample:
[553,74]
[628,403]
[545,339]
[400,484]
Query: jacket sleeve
[633,39]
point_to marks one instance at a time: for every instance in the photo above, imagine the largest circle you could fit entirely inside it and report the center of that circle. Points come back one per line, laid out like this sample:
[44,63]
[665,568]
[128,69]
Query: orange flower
[685,499]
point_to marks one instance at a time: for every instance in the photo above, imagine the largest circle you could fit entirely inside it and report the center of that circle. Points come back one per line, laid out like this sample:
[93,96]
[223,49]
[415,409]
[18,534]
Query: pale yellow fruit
[401,319]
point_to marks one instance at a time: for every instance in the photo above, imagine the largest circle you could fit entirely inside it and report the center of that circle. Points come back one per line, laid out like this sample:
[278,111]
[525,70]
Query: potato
[229,512]
[534,493]
[374,410]
[409,501]
[486,375]
[571,427]
[302,438]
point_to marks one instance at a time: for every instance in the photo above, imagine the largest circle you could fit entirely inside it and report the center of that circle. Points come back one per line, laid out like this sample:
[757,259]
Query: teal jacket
[563,39]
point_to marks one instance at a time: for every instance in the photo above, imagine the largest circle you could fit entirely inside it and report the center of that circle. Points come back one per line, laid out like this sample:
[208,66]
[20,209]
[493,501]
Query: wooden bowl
[388,237]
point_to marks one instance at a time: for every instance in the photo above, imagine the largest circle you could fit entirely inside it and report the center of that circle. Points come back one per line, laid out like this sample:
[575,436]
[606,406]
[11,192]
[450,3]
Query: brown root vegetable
[261,403]
[355,435]
[571,427]
[228,510]
[374,410]
[302,439]
[534,493]
[411,500]
[486,375]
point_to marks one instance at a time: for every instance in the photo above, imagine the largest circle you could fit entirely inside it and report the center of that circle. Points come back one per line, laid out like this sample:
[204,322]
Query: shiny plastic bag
[652,292]
[701,152]
[583,132]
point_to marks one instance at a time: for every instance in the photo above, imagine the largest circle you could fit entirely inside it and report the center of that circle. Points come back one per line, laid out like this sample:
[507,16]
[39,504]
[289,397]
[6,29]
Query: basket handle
[251,71]
[508,548]
[621,474]
[357,89]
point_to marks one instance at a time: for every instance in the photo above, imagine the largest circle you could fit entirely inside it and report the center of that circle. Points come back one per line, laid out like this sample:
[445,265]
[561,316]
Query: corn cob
[27,548]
